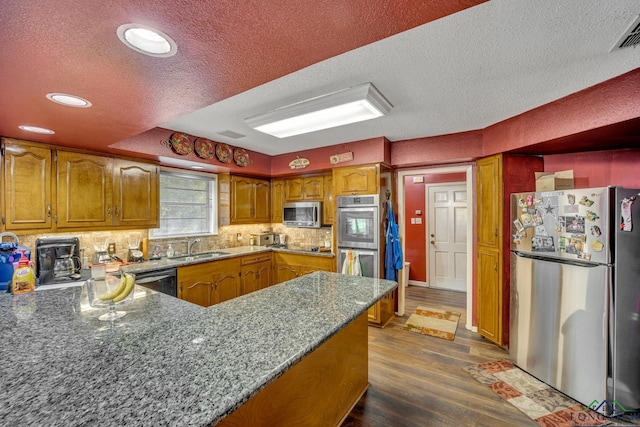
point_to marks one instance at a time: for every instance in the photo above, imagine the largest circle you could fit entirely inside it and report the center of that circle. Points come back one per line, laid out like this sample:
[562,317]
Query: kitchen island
[169,362]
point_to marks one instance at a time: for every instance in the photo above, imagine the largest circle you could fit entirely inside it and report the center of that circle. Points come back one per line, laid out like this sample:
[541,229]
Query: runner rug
[540,402]
[434,322]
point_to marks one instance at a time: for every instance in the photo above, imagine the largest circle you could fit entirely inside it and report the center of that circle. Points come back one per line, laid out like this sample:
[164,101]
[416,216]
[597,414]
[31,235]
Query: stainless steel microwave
[302,214]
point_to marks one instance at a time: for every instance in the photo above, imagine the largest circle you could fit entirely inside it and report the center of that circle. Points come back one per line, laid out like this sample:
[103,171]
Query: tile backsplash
[227,237]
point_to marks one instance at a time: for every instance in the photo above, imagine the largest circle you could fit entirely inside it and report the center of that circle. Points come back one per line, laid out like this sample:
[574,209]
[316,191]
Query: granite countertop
[167,362]
[181,260]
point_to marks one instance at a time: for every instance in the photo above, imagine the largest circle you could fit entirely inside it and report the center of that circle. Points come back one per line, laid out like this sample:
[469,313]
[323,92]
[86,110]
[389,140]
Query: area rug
[434,322]
[540,402]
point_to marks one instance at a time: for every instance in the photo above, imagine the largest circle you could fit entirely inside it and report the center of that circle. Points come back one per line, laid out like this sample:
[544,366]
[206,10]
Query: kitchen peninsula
[169,362]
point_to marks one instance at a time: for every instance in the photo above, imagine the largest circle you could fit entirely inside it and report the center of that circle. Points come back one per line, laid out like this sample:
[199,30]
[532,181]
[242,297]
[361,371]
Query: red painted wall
[375,150]
[441,149]
[415,234]
[610,102]
[599,168]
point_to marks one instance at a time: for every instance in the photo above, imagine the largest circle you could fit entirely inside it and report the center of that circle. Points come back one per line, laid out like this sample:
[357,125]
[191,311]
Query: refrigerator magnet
[519,226]
[516,239]
[591,216]
[626,223]
[585,201]
[571,199]
[595,230]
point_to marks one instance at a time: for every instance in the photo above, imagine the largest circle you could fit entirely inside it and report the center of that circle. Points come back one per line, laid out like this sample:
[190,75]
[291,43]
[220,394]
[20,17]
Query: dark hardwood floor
[417,380]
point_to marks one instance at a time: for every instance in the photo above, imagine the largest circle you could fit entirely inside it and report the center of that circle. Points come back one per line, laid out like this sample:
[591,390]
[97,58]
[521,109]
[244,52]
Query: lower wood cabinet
[255,273]
[289,266]
[210,283]
[382,312]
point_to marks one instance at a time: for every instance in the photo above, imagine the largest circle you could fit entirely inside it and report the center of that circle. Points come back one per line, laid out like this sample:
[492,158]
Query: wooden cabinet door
[329,202]
[277,199]
[355,180]
[262,201]
[264,274]
[242,199]
[195,284]
[27,187]
[284,272]
[227,279]
[308,188]
[136,187]
[85,190]
[313,188]
[226,287]
[489,207]
[294,189]
[490,294]
[249,281]
[255,276]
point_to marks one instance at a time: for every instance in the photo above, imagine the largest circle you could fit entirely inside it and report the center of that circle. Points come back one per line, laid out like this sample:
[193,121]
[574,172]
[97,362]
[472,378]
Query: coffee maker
[58,260]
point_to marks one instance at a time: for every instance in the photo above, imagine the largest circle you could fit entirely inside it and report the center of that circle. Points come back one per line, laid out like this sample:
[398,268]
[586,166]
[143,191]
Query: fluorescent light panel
[352,105]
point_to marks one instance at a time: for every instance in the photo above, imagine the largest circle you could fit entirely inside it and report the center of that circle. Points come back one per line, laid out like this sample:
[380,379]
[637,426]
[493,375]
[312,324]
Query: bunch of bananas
[122,291]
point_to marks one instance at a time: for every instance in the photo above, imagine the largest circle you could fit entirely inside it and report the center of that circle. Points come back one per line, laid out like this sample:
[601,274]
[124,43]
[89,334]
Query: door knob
[432,235]
[433,243]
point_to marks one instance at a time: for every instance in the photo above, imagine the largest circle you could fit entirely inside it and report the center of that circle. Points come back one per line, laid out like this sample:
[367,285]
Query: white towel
[351,264]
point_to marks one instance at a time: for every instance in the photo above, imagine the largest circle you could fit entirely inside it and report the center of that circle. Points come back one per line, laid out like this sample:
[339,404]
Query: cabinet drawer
[256,258]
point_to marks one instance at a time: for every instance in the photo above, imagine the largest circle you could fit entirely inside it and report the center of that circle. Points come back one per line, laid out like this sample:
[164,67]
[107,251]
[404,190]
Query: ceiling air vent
[631,37]
[231,134]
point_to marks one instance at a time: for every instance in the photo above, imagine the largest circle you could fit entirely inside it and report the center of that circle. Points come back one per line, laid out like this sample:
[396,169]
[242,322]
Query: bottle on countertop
[24,279]
[170,251]
[327,239]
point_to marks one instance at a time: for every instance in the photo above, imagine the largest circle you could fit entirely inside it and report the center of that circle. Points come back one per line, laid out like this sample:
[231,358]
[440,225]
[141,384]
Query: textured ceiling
[445,66]
[224,48]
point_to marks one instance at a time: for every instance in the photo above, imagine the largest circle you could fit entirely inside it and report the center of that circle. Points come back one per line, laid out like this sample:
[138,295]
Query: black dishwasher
[164,281]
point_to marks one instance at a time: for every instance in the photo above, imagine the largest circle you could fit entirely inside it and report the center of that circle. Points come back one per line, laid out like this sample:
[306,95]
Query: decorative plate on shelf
[223,153]
[241,157]
[204,148]
[181,143]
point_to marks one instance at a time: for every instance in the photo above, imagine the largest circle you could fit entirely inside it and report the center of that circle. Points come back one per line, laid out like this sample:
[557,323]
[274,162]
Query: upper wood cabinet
[95,191]
[250,200]
[277,199]
[489,205]
[354,180]
[329,202]
[85,190]
[49,189]
[28,202]
[135,194]
[308,188]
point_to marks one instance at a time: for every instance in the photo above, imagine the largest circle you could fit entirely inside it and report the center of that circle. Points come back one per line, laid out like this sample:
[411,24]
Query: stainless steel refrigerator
[575,292]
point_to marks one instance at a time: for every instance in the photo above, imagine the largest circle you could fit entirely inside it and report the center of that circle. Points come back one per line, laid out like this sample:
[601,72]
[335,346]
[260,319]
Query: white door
[447,236]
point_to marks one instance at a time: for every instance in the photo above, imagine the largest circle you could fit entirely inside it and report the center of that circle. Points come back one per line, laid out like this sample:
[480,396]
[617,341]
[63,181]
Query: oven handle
[151,279]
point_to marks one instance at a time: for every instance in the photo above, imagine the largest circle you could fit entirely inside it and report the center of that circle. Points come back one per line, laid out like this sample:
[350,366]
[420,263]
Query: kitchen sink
[200,256]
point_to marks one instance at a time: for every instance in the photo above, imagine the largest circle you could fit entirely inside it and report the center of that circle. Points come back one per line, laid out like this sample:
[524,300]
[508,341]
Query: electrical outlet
[238,236]
[112,248]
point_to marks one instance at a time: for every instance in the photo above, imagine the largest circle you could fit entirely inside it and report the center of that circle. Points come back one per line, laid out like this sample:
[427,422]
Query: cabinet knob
[109,210]
[49,211]
[117,211]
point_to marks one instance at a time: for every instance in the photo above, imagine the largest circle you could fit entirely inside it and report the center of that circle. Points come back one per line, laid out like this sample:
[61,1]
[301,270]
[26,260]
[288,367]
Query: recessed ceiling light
[147,40]
[36,129]
[69,100]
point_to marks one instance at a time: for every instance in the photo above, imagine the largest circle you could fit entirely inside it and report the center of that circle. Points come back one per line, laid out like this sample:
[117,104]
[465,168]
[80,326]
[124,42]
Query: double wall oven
[358,231]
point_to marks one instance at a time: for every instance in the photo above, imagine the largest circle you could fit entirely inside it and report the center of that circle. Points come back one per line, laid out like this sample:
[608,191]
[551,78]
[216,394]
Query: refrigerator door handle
[558,260]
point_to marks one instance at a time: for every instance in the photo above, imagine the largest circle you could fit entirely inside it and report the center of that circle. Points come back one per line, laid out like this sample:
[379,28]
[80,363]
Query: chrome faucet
[190,244]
